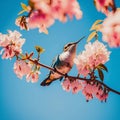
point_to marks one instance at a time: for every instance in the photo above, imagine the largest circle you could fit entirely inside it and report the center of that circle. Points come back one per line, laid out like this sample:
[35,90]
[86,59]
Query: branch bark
[74,77]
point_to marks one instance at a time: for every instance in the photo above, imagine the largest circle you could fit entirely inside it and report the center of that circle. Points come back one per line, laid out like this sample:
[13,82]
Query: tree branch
[73,77]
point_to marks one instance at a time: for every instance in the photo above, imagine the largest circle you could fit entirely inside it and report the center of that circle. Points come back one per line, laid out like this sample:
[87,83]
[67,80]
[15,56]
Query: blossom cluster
[74,85]
[103,5]
[43,13]
[111,29]
[11,44]
[22,68]
[93,55]
[94,89]
[89,89]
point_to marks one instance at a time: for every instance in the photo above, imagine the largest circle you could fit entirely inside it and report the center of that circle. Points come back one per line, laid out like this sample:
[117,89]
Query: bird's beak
[79,40]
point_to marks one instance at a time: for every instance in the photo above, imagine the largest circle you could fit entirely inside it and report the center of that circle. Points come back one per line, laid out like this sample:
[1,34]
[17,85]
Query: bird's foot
[66,75]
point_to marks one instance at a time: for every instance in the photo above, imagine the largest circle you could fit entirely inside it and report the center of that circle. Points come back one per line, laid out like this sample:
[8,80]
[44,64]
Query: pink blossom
[101,94]
[73,8]
[102,97]
[88,91]
[63,8]
[21,68]
[33,76]
[76,86]
[8,53]
[111,29]
[4,40]
[22,22]
[73,85]
[41,17]
[92,89]
[43,13]
[94,54]
[102,5]
[11,44]
[40,20]
[66,85]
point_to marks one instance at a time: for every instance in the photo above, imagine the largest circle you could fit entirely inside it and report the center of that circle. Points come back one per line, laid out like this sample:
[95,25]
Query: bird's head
[71,46]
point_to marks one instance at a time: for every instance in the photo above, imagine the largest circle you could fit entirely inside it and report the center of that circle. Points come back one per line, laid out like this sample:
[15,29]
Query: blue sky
[20,100]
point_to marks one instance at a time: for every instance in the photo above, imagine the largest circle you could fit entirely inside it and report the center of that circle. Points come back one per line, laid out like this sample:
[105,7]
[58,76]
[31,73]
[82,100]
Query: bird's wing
[54,61]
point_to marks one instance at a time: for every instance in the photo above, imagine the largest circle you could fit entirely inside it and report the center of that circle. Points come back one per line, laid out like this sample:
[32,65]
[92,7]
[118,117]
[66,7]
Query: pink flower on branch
[89,89]
[94,89]
[4,40]
[41,20]
[8,52]
[111,29]
[43,13]
[11,44]
[74,85]
[61,9]
[66,85]
[33,76]
[93,55]
[22,22]
[21,68]
[103,5]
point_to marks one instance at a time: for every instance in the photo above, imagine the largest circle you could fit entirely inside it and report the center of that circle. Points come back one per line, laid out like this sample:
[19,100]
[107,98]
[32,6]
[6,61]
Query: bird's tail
[46,82]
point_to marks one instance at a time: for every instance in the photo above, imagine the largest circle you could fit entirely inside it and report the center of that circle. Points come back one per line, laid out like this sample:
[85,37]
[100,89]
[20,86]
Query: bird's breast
[63,64]
[67,57]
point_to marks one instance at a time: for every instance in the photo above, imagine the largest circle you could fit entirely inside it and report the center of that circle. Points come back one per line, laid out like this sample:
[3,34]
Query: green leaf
[95,24]
[38,67]
[39,49]
[103,67]
[101,75]
[24,6]
[96,27]
[21,12]
[91,36]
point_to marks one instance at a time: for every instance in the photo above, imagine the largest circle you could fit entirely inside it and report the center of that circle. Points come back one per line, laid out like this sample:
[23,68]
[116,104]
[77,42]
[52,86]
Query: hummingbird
[62,63]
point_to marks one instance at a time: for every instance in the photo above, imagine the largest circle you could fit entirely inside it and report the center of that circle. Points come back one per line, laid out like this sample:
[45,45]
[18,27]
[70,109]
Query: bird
[62,63]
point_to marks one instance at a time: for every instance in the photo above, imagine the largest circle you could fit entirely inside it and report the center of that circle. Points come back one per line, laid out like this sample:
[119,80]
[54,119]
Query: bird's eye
[69,45]
[65,47]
